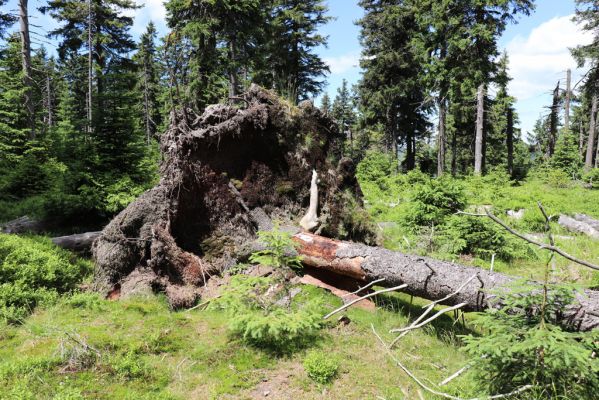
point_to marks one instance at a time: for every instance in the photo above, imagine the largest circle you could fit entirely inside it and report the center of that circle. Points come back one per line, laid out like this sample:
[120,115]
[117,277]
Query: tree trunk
[147,118]
[510,141]
[441,140]
[580,139]
[26,61]
[588,162]
[553,119]
[426,277]
[90,67]
[80,243]
[567,101]
[233,77]
[478,146]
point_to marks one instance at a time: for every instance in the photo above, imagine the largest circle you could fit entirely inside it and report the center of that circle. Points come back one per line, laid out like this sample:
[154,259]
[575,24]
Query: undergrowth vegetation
[33,272]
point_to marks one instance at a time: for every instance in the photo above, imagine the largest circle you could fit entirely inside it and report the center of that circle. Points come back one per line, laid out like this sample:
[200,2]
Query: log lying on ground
[426,277]
[22,224]
[580,223]
[80,243]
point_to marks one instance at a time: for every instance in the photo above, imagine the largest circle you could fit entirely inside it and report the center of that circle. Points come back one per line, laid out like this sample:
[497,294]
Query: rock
[516,214]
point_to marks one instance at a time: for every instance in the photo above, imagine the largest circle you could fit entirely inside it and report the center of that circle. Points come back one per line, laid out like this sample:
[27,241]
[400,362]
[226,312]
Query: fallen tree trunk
[426,277]
[22,224]
[580,223]
[356,264]
[80,243]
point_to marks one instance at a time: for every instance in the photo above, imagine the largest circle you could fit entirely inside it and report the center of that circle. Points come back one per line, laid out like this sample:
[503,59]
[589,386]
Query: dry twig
[544,246]
[369,295]
[435,392]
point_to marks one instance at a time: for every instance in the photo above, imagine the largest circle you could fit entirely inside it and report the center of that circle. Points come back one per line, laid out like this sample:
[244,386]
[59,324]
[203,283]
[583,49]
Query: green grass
[147,351]
[389,201]
[139,349]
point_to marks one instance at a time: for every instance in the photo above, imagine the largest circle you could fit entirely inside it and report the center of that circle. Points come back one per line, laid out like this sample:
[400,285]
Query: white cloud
[343,63]
[151,10]
[539,60]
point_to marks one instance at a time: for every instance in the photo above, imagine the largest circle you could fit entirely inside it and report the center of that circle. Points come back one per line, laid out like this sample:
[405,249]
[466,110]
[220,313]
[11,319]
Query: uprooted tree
[224,176]
[236,169]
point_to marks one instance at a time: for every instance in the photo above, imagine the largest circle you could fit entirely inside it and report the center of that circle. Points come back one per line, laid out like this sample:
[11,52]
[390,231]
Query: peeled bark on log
[426,277]
[225,175]
[80,243]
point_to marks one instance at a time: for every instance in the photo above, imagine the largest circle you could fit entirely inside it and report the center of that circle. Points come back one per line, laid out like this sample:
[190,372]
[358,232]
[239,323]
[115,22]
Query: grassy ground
[85,347]
[389,201]
[139,349]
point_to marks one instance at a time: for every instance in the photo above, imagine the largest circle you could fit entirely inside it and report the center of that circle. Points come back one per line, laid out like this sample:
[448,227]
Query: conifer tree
[294,69]
[148,81]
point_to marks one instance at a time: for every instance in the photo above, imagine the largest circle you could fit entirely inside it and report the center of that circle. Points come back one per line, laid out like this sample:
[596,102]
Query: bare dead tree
[568,99]
[26,61]
[478,147]
[588,162]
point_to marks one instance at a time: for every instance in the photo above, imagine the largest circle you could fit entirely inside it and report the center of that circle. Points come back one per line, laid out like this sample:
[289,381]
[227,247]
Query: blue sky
[537,46]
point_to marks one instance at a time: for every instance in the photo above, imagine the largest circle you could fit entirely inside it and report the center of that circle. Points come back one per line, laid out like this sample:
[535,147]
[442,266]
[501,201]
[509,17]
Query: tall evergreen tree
[391,90]
[148,81]
[343,112]
[294,69]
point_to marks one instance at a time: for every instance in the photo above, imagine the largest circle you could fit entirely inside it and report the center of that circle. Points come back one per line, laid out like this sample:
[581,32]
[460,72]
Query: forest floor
[86,347]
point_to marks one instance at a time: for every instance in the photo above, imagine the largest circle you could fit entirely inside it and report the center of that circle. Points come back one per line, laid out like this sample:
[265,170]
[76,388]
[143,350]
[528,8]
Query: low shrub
[32,272]
[320,367]
[434,201]
[524,344]
[260,317]
[481,237]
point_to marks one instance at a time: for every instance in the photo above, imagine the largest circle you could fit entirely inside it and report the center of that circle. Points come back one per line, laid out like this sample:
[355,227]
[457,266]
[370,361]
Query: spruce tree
[148,84]
[294,69]
[391,91]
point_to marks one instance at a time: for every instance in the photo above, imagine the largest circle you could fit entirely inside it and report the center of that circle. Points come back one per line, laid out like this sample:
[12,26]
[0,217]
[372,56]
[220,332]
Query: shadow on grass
[447,327]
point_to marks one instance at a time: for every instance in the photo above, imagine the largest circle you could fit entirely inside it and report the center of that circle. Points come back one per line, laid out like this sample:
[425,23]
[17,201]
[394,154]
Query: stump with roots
[224,176]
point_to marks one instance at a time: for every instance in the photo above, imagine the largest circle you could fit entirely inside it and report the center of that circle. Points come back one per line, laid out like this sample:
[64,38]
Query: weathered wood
[22,224]
[478,145]
[426,277]
[588,162]
[580,223]
[80,243]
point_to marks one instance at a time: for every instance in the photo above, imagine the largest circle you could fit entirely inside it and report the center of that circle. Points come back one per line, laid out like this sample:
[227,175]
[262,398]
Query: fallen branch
[543,246]
[435,392]
[431,319]
[369,295]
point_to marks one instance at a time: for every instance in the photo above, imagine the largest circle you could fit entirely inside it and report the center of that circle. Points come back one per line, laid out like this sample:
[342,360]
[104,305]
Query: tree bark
[426,277]
[441,140]
[80,243]
[553,119]
[581,139]
[568,99]
[90,66]
[510,141]
[478,146]
[588,162]
[26,61]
